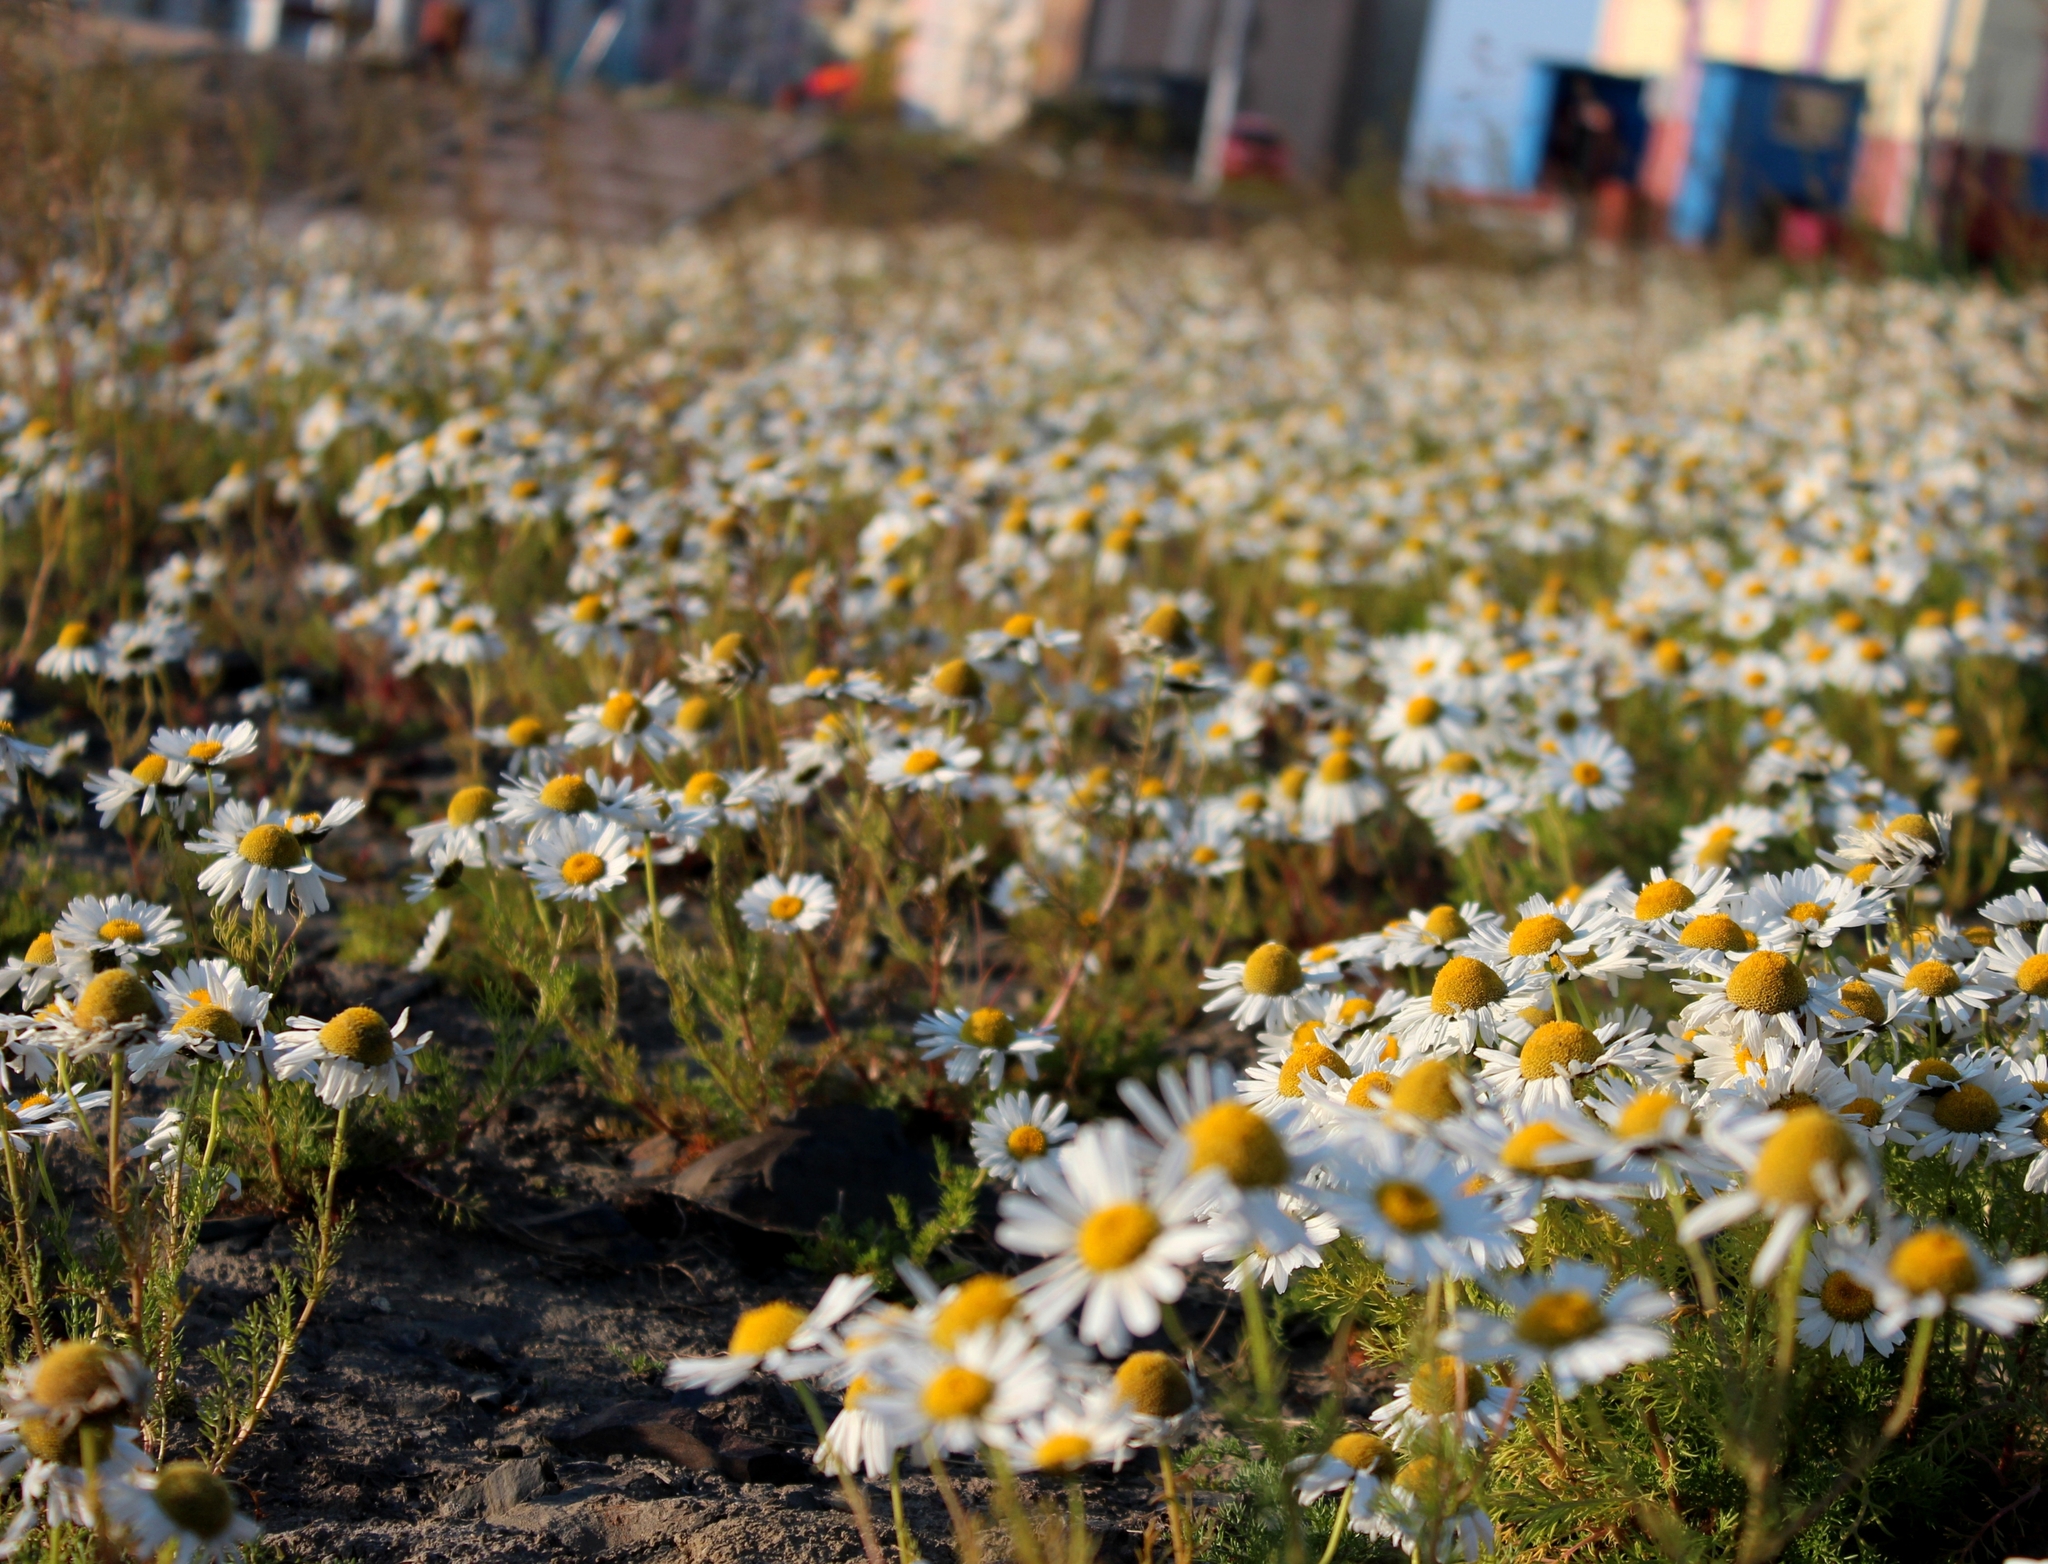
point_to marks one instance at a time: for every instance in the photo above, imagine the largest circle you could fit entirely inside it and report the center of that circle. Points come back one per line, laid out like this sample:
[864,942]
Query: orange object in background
[1613,210]
[1257,149]
[1804,236]
[834,84]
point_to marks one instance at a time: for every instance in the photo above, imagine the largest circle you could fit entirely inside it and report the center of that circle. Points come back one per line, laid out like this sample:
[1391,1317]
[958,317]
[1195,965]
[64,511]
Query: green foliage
[873,1248]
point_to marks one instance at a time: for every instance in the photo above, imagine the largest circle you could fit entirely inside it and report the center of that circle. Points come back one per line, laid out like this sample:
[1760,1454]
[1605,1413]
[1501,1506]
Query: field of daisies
[1484,825]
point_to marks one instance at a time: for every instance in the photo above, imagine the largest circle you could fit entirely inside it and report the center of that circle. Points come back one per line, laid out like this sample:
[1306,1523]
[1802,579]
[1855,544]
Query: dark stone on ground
[838,1160]
[682,1436]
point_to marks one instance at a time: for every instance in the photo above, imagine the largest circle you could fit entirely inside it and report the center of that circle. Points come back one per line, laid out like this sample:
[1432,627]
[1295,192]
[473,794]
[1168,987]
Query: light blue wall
[1475,82]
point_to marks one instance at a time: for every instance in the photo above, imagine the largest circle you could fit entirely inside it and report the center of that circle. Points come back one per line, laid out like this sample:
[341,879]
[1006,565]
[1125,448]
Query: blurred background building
[1769,121]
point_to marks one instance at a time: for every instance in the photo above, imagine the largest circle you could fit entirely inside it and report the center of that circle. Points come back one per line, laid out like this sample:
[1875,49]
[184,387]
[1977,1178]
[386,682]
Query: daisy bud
[1154,1385]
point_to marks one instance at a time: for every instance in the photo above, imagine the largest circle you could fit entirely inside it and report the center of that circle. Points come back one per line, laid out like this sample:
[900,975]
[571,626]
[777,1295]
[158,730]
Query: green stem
[1337,1525]
[906,1544]
[1176,1520]
[857,1501]
[1909,1388]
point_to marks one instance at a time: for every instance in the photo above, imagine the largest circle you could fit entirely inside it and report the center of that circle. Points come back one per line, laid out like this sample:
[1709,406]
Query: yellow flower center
[1917,828]
[1809,911]
[1714,931]
[1115,1236]
[1844,1298]
[524,732]
[784,908]
[74,635]
[921,762]
[1271,971]
[470,804]
[1425,1092]
[525,488]
[1026,1142]
[2032,977]
[764,1330]
[696,715]
[623,713]
[1553,1048]
[113,998]
[1866,1111]
[1338,766]
[1204,855]
[1232,1137]
[706,787]
[1661,898]
[125,930]
[989,1028]
[1587,774]
[589,609]
[1308,1060]
[957,680]
[210,1021]
[1422,710]
[583,868]
[1936,1260]
[1860,999]
[41,952]
[1445,923]
[1935,979]
[194,1499]
[1167,624]
[569,796]
[359,1033]
[1464,983]
[1363,1452]
[1062,1453]
[981,1301]
[271,847]
[150,770]
[1531,1151]
[1768,983]
[1533,936]
[1967,1110]
[1408,1208]
[1646,1114]
[1263,674]
[1435,1391]
[1808,1140]
[956,1392]
[1154,1385]
[1557,1319]
[1370,1089]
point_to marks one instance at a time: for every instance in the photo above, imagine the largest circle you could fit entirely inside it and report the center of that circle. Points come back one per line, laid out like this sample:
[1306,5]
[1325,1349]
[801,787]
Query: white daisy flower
[2032,857]
[1812,904]
[1586,770]
[465,832]
[1119,1235]
[180,1512]
[1467,1001]
[536,801]
[777,1338]
[208,748]
[1355,1461]
[712,798]
[773,905]
[215,1013]
[1446,1399]
[1971,1103]
[1558,941]
[971,1392]
[1729,835]
[534,753]
[1566,1320]
[1070,1434]
[1016,1135]
[1798,1167]
[580,858]
[2018,964]
[154,785]
[123,927]
[1340,791]
[1419,727]
[1545,1069]
[1424,939]
[1922,1275]
[1935,992]
[1419,1503]
[1837,1308]
[1269,985]
[35,971]
[72,655]
[40,1116]
[1666,899]
[258,858]
[928,761]
[984,1040]
[1408,1206]
[631,724]
[355,1054]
